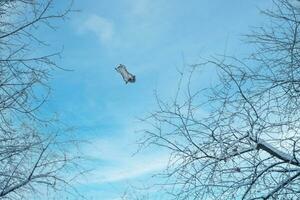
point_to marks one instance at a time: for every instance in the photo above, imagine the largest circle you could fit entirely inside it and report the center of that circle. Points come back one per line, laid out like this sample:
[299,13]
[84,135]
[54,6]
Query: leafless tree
[34,158]
[238,139]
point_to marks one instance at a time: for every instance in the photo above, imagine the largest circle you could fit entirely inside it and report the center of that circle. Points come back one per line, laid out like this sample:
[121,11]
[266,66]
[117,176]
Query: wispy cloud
[102,27]
[115,153]
[134,167]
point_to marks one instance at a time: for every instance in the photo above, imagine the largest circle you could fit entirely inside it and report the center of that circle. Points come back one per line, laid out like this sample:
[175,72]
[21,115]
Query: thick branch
[263,145]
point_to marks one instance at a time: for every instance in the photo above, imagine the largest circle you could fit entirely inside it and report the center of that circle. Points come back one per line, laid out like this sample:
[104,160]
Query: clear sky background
[152,38]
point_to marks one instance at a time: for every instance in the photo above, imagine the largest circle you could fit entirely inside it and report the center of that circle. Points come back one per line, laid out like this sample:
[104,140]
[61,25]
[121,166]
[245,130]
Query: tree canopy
[33,160]
[238,139]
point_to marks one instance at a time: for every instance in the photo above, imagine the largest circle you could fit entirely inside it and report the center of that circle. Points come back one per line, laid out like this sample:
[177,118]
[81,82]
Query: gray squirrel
[127,77]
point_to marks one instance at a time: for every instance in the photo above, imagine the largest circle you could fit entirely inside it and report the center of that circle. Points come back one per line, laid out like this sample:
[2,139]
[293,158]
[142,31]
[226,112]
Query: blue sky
[152,38]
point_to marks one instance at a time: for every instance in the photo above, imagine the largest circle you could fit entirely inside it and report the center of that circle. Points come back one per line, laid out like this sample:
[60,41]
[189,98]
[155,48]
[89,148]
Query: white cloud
[115,153]
[133,168]
[103,28]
